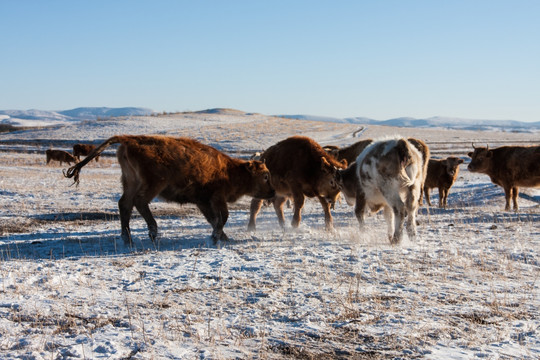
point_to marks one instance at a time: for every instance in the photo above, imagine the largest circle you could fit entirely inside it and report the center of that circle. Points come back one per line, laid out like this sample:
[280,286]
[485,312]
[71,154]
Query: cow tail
[74,171]
[405,156]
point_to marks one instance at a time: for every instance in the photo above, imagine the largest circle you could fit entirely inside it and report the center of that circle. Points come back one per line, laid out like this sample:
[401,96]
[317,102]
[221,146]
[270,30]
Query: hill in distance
[436,121]
[35,117]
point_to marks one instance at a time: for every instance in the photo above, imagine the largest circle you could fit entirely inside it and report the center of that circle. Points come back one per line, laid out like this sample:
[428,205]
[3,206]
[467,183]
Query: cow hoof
[251,227]
[219,237]
[127,238]
[153,236]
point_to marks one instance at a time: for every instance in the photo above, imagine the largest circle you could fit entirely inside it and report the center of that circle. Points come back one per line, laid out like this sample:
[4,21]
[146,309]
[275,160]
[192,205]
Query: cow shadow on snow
[49,236]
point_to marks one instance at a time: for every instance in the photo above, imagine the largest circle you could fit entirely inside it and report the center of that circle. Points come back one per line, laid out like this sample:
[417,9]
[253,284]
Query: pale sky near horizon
[476,59]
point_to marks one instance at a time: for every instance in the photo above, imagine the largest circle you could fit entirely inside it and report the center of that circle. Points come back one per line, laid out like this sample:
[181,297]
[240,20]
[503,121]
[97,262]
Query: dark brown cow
[441,174]
[84,150]
[349,153]
[299,167]
[509,167]
[180,170]
[60,155]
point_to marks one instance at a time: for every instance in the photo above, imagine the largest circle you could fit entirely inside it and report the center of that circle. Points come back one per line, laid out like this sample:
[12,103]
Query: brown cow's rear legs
[143,209]
[125,207]
[299,200]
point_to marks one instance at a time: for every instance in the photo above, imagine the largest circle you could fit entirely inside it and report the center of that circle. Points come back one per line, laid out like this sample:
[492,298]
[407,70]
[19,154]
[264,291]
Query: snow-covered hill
[435,121]
[36,118]
[33,117]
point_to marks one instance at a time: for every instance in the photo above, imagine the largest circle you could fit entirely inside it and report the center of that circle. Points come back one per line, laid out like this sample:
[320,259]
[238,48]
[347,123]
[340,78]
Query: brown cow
[299,167]
[180,170]
[509,167]
[441,174]
[59,155]
[84,150]
[349,153]
[424,150]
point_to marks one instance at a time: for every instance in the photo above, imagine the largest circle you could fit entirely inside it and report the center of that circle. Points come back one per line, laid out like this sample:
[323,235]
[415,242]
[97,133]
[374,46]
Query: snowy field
[469,287]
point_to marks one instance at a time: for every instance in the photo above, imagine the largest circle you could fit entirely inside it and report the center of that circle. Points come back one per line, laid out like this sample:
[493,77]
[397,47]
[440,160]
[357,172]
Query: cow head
[480,159]
[261,180]
[452,165]
[328,181]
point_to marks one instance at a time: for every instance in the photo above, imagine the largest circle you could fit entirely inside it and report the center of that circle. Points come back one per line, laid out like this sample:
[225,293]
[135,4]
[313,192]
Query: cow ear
[325,165]
[344,163]
[460,161]
[470,154]
[251,166]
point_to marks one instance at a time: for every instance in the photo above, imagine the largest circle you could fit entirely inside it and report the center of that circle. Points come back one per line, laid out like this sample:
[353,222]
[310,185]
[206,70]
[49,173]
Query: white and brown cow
[388,174]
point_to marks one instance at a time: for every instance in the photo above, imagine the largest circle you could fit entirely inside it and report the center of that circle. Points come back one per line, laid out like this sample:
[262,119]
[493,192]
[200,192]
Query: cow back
[298,162]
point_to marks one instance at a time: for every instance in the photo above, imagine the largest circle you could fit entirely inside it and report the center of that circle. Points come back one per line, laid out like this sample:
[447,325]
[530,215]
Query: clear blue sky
[475,59]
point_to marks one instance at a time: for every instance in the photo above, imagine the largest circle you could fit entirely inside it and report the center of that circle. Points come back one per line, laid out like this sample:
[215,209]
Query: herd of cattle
[392,174]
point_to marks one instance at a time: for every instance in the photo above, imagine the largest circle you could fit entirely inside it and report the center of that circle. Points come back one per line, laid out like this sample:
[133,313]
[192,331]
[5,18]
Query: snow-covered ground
[70,288]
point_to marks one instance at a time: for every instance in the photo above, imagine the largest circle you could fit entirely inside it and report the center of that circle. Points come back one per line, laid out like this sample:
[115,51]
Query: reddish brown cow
[84,150]
[300,167]
[59,155]
[181,170]
[509,167]
[441,174]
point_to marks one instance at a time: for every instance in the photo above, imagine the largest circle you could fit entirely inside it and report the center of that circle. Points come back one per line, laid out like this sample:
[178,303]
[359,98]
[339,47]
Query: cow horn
[487,147]
[474,147]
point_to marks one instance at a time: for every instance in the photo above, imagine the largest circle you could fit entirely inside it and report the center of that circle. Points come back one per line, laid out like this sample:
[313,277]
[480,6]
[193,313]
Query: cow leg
[441,197]
[390,218]
[399,222]
[400,211]
[328,221]
[298,199]
[222,214]
[125,207]
[278,202]
[411,220]
[445,197]
[515,193]
[426,194]
[217,215]
[141,203]
[507,195]
[421,198]
[360,206]
[254,209]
